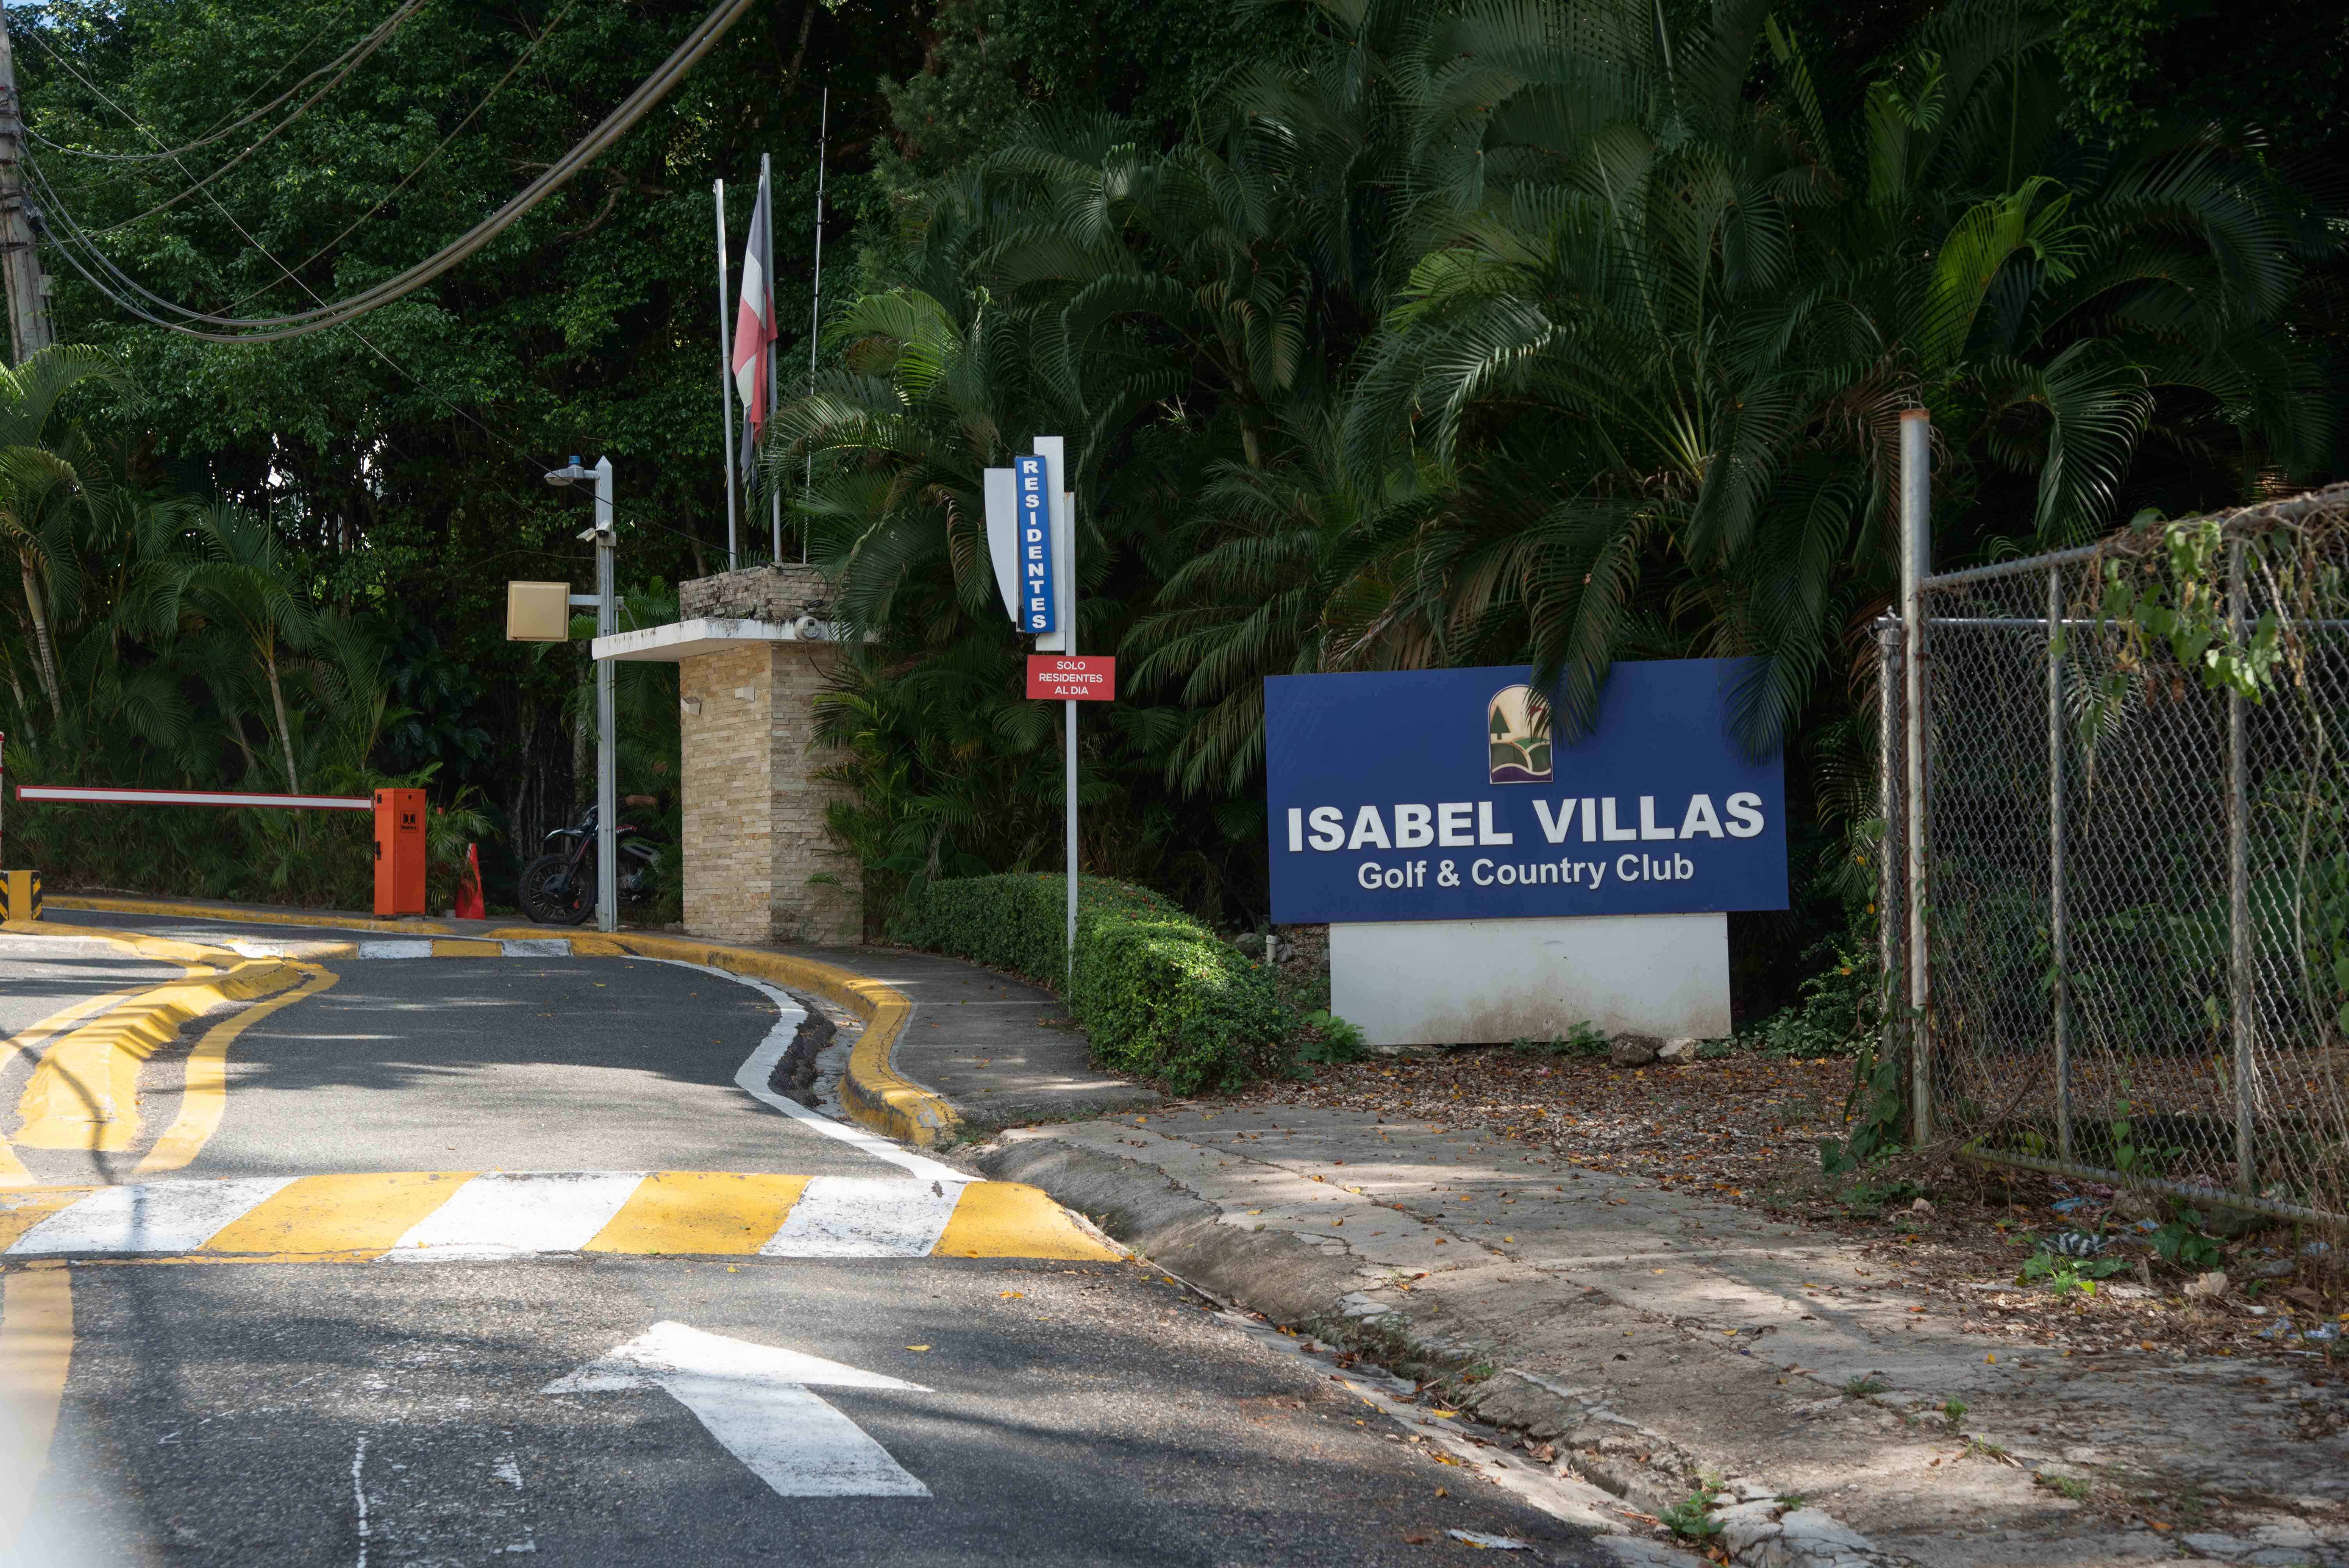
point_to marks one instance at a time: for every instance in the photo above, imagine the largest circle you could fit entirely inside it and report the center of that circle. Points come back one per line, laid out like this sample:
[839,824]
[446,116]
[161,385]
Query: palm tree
[240,584]
[1282,568]
[36,481]
[1663,324]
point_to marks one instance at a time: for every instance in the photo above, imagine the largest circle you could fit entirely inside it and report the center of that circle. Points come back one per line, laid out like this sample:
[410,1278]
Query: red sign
[1061,678]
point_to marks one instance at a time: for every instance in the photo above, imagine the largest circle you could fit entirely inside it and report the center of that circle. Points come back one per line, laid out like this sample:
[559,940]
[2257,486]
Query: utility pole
[28,300]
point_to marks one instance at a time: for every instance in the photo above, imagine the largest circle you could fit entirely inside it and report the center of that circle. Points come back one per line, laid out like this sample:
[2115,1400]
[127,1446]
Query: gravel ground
[1744,1130]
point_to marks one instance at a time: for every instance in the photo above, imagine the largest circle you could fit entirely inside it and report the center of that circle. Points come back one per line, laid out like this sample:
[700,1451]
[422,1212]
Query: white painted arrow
[755,1399]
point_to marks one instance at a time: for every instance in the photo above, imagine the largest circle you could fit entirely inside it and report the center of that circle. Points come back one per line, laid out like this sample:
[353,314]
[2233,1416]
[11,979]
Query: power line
[512,71]
[373,41]
[535,462]
[218,131]
[270,328]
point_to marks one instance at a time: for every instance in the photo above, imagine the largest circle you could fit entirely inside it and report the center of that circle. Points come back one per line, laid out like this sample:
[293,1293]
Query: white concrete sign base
[1474,982]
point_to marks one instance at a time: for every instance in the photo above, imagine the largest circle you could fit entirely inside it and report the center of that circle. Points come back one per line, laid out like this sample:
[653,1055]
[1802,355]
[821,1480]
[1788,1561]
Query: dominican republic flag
[754,325]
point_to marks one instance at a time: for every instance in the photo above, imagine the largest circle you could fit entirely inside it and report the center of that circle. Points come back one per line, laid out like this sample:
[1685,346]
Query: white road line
[536,948]
[514,1213]
[358,1490]
[404,947]
[151,1217]
[864,1217]
[753,1075]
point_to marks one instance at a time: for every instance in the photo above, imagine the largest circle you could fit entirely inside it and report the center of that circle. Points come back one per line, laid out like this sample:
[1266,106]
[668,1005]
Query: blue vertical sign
[1039,604]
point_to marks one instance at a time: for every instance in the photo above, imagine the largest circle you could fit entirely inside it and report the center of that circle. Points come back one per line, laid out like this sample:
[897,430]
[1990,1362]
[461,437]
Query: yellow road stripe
[465,947]
[19,1213]
[339,1214]
[205,1099]
[85,1094]
[1013,1219]
[12,1170]
[36,1352]
[699,1211]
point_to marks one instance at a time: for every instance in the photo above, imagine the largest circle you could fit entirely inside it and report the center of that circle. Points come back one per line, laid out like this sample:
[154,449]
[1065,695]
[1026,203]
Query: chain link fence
[2136,860]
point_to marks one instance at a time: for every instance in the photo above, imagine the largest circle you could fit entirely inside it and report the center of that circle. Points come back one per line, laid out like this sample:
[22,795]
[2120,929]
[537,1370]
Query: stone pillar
[759,862]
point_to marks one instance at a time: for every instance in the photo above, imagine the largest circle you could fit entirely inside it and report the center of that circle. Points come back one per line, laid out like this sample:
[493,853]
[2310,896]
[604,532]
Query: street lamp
[608,857]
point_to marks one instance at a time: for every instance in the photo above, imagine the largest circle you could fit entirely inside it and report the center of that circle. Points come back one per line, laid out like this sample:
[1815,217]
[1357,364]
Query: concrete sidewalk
[1647,1339]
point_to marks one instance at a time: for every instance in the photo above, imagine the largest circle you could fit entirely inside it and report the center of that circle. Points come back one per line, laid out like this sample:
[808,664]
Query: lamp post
[608,857]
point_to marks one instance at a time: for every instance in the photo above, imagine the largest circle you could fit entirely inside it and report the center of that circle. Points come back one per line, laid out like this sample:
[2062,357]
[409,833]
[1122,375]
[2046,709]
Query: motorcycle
[558,888]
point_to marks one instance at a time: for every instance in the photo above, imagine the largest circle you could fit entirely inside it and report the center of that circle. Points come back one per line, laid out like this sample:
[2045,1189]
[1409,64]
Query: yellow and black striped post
[20,895]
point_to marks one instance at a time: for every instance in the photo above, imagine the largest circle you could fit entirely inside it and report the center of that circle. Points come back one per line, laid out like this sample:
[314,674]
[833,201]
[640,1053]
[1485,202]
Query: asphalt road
[575,1064]
[803,1399]
[40,978]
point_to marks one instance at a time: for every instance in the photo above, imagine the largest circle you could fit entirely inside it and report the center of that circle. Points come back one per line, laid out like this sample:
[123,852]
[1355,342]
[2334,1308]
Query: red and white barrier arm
[94,794]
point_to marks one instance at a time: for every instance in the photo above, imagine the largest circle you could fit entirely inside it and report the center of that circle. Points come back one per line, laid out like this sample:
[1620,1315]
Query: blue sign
[1438,795]
[1031,483]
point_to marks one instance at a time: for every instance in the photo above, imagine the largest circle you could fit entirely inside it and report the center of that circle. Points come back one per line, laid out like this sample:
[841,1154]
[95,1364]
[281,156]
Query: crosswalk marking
[450,1217]
[706,1212]
[359,1213]
[404,947]
[151,1217]
[865,1217]
[1000,1219]
[505,1214]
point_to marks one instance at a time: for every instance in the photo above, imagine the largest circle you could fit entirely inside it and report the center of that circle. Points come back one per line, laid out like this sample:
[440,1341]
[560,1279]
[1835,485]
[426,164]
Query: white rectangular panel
[1003,537]
[1474,982]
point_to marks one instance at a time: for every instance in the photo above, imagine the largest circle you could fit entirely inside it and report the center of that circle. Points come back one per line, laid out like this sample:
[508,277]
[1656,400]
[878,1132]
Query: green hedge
[1157,993]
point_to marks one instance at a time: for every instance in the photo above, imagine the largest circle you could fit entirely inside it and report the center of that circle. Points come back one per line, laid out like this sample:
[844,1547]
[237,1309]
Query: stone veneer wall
[759,862]
[774,594]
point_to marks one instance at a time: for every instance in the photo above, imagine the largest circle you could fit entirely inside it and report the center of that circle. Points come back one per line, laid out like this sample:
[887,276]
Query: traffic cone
[469,887]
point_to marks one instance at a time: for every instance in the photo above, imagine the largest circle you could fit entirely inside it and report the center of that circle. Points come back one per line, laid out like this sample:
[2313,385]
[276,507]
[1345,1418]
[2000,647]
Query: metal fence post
[2058,915]
[1891,970]
[1916,556]
[2239,892]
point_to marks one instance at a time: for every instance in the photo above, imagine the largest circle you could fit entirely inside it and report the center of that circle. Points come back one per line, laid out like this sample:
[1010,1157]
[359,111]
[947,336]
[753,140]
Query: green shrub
[1328,1039]
[1158,995]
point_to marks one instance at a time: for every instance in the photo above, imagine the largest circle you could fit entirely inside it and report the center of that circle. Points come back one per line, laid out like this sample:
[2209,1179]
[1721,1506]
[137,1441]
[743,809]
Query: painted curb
[873,1091]
[234,915]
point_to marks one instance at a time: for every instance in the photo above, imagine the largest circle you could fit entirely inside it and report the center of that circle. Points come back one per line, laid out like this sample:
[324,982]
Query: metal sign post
[1031,536]
[607,621]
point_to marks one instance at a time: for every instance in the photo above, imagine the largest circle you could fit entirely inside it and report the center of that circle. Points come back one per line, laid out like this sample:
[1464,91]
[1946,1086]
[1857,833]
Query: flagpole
[774,493]
[815,309]
[725,376]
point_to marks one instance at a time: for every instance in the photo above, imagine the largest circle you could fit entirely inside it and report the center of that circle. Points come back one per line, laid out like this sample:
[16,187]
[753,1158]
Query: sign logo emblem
[1517,724]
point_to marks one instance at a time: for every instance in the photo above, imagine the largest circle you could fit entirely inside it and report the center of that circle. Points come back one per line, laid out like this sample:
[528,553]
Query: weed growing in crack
[1689,1519]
